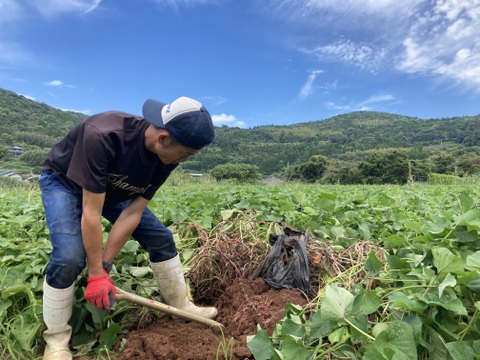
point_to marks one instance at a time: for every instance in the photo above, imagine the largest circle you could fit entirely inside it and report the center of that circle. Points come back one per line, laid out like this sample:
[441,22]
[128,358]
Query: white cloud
[335,106]
[13,11]
[176,4]
[376,99]
[444,42]
[307,88]
[438,39]
[56,7]
[357,54]
[345,13]
[215,100]
[370,104]
[54,83]
[230,120]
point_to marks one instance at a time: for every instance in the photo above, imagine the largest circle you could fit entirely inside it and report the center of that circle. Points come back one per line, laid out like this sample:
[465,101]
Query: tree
[444,164]
[385,168]
[242,173]
[311,171]
[34,157]
[470,164]
[350,175]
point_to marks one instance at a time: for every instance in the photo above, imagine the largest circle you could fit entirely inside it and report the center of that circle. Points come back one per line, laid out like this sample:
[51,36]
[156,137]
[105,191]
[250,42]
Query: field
[394,274]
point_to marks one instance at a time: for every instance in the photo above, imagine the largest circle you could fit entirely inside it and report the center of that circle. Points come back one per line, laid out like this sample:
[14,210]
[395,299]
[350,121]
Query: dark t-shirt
[106,153]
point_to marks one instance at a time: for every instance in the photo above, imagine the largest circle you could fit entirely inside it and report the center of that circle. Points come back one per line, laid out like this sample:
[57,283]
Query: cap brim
[152,112]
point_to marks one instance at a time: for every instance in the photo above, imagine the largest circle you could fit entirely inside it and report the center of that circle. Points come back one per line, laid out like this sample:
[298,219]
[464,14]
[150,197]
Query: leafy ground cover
[395,274]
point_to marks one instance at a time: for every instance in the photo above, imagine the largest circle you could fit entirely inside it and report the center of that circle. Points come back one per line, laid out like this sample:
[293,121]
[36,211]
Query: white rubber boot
[172,287]
[57,310]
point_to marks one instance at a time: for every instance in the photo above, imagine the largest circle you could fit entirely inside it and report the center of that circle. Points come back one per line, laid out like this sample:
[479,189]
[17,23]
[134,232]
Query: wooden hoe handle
[155,305]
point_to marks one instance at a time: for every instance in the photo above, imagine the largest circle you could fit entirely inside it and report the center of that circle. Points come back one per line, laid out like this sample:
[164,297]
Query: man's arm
[92,233]
[123,228]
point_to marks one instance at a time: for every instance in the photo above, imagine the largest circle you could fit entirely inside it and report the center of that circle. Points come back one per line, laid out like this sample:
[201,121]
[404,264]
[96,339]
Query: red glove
[100,291]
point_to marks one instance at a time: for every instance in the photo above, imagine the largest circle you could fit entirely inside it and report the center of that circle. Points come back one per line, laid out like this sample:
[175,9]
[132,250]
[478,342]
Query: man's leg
[154,237]
[63,212]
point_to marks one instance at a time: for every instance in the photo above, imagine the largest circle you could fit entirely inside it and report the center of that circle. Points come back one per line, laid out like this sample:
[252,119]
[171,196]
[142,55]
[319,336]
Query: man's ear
[161,136]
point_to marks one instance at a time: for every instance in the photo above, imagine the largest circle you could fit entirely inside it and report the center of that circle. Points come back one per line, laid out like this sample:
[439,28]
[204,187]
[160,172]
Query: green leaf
[445,261]
[459,350]
[290,327]
[448,281]
[396,263]
[436,225]
[98,316]
[366,302]
[373,354]
[227,214]
[373,265]
[397,342]
[476,345]
[402,301]
[140,271]
[439,351]
[4,305]
[109,336]
[293,310]
[454,305]
[24,328]
[261,346]
[13,290]
[477,304]
[130,247]
[294,349]
[341,335]
[378,328]
[337,303]
[365,231]
[465,236]
[474,285]
[413,225]
[470,219]
[466,201]
[320,328]
[473,262]
[394,241]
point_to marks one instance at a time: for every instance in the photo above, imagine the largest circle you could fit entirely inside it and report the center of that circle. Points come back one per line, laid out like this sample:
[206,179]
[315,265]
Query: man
[110,165]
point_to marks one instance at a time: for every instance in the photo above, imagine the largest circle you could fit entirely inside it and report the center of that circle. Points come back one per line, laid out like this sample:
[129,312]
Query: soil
[244,305]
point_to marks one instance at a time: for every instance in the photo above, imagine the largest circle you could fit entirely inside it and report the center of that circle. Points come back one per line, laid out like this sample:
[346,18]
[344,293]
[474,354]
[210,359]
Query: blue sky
[251,63]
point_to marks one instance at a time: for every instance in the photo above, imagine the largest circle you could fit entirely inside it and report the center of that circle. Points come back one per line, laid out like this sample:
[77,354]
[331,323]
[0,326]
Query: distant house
[16,150]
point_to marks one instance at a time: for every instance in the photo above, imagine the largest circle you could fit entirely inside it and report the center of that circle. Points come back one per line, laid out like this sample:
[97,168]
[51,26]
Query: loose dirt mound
[242,306]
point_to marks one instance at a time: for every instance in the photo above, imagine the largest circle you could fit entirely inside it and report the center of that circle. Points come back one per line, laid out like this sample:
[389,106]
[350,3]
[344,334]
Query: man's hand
[101,291]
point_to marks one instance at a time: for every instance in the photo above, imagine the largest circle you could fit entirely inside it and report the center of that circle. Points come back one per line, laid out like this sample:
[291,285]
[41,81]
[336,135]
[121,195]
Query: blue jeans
[63,211]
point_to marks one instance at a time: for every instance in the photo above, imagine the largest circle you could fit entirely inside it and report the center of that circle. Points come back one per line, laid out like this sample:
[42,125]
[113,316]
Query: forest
[357,147]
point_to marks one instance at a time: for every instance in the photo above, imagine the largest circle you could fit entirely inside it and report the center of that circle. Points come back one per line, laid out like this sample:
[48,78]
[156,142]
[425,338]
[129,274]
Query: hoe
[155,305]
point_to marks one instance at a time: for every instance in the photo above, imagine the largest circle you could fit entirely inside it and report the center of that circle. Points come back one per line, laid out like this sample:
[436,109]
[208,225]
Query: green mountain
[345,139]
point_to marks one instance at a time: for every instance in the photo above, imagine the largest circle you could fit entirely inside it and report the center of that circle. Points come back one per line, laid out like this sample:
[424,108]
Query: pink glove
[100,291]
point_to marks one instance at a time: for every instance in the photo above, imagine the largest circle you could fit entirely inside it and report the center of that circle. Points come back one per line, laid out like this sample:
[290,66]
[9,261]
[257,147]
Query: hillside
[31,125]
[345,138]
